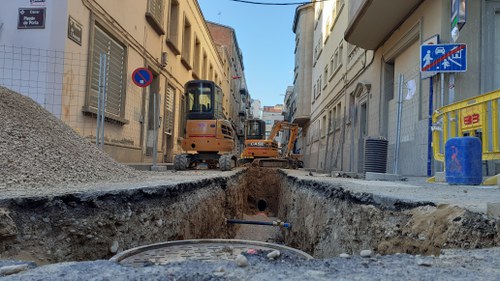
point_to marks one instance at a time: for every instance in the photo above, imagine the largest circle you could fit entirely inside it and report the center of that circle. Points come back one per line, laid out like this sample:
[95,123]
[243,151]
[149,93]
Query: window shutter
[169,111]
[155,7]
[115,69]
[115,78]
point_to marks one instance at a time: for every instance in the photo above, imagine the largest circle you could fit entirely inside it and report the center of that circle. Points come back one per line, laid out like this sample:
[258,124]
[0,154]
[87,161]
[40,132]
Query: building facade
[366,78]
[271,115]
[52,52]
[303,27]
[256,108]
[237,100]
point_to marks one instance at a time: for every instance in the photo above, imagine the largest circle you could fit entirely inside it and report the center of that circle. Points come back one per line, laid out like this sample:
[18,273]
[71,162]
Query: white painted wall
[32,60]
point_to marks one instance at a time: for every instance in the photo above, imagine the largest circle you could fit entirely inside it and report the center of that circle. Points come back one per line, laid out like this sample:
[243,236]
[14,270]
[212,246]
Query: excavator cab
[209,136]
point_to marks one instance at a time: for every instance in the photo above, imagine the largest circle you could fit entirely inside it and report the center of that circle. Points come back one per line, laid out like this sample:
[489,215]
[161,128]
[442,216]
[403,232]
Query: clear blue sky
[266,40]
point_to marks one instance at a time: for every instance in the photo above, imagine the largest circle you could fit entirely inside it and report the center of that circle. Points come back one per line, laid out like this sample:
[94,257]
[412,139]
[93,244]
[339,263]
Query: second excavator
[267,152]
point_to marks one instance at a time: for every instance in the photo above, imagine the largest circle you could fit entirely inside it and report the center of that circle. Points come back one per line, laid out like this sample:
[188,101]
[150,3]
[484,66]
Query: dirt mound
[37,149]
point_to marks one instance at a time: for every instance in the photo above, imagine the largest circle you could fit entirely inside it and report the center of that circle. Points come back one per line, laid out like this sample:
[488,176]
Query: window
[352,107]
[331,65]
[334,115]
[169,110]
[115,72]
[173,27]
[269,122]
[338,117]
[204,67]
[335,60]
[330,121]
[341,55]
[154,15]
[319,86]
[323,127]
[186,45]
[325,77]
[196,60]
[182,115]
[351,51]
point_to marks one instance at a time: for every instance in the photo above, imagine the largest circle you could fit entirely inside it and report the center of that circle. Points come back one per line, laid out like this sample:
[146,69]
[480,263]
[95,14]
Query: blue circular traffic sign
[142,77]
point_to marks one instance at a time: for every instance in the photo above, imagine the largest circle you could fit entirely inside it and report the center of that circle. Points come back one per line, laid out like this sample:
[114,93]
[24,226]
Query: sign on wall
[31,18]
[37,2]
[75,30]
[142,77]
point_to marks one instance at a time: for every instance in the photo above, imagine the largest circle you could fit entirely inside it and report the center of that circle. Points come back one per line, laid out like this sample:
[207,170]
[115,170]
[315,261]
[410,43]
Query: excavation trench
[326,219]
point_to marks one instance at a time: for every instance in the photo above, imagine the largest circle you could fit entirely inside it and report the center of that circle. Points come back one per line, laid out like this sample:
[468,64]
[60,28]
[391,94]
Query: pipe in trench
[271,223]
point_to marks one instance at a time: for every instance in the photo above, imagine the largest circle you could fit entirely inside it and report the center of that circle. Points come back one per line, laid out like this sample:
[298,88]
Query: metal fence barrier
[477,116]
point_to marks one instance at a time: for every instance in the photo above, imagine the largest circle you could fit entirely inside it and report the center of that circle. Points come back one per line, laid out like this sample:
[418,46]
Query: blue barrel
[463,159]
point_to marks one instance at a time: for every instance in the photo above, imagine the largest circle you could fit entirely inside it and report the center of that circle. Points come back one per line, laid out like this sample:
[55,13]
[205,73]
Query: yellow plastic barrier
[478,116]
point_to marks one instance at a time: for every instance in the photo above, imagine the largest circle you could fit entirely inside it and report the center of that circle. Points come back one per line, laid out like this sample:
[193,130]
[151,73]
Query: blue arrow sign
[142,77]
[443,58]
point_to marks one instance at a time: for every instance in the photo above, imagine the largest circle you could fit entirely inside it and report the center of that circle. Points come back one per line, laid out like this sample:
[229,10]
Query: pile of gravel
[39,150]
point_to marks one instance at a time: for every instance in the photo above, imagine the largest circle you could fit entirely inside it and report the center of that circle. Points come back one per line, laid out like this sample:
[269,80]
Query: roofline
[296,16]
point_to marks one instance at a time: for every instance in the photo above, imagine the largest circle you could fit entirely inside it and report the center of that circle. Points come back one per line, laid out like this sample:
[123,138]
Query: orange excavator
[209,136]
[256,144]
[266,152]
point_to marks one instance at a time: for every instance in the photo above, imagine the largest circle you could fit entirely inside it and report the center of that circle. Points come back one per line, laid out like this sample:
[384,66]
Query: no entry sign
[142,77]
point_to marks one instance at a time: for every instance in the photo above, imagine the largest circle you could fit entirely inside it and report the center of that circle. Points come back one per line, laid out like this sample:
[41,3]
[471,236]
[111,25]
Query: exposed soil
[263,184]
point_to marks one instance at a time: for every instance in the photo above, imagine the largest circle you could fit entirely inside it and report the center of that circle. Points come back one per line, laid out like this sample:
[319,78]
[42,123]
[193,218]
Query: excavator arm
[282,126]
[286,159]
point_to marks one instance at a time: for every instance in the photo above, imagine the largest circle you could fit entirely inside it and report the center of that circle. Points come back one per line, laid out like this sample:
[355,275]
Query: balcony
[373,21]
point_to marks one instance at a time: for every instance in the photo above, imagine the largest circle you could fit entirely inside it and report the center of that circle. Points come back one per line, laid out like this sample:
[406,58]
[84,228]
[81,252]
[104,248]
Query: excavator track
[271,163]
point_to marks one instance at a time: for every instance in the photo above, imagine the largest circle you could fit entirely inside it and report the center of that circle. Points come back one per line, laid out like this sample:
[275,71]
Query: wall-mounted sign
[31,18]
[75,31]
[37,2]
[142,77]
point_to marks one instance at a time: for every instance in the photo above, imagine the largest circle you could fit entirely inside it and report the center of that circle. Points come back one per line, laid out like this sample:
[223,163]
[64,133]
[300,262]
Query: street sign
[142,77]
[443,58]
[433,40]
[75,30]
[31,18]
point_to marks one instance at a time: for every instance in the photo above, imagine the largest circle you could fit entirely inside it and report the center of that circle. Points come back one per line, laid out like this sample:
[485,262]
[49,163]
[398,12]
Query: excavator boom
[285,158]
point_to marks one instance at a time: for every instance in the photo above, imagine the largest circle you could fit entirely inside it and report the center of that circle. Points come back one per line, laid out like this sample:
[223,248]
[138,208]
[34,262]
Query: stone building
[238,101]
[271,115]
[366,79]
[50,51]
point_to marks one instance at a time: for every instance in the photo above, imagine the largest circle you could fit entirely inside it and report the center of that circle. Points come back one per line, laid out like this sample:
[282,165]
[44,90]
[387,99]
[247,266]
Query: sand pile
[37,149]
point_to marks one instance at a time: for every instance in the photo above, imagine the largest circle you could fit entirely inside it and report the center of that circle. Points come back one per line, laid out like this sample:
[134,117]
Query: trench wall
[92,226]
[328,220]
